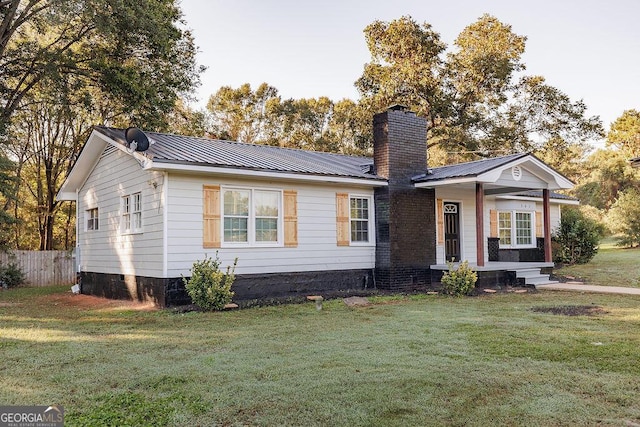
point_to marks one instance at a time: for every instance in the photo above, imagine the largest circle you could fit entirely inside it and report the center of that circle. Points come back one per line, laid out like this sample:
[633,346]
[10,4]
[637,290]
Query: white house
[301,222]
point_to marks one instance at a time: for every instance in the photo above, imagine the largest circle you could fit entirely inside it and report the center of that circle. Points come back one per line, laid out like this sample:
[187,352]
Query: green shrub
[576,239]
[208,287]
[460,281]
[624,217]
[11,276]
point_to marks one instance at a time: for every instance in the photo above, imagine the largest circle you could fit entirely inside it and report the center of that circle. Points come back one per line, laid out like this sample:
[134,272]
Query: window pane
[126,206]
[236,202]
[523,228]
[266,229]
[137,220]
[235,229]
[266,203]
[359,208]
[137,202]
[504,227]
[359,231]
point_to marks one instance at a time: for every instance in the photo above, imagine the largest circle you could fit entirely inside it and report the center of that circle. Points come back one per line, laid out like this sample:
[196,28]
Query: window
[359,219]
[132,213]
[92,219]
[518,224]
[251,216]
[504,228]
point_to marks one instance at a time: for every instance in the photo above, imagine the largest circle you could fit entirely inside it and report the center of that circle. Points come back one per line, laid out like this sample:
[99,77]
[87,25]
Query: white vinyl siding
[108,250]
[316,248]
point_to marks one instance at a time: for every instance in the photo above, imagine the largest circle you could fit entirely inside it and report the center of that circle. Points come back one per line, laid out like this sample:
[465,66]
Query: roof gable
[491,171]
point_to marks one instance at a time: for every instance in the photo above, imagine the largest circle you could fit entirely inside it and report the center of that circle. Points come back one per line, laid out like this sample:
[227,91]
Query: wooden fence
[43,268]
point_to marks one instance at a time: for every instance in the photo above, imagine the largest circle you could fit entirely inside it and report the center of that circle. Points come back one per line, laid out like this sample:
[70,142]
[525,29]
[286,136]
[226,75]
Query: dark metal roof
[187,150]
[469,169]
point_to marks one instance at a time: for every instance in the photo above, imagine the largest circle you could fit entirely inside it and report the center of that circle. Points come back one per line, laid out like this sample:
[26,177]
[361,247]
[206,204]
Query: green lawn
[612,266]
[422,360]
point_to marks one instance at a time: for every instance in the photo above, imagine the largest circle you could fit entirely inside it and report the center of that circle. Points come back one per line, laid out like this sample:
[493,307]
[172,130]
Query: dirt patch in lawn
[572,310]
[89,302]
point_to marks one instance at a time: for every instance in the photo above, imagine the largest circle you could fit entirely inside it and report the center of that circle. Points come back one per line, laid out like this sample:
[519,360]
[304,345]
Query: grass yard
[420,360]
[612,266]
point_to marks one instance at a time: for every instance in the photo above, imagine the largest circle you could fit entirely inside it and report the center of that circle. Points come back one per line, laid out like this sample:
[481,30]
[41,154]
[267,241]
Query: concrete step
[534,272]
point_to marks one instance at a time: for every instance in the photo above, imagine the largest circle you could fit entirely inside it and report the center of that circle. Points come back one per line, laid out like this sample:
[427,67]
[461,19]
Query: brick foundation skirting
[166,292]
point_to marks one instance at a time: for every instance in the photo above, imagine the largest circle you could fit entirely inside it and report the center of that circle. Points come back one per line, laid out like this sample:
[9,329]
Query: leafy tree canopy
[471,96]
[132,51]
[624,133]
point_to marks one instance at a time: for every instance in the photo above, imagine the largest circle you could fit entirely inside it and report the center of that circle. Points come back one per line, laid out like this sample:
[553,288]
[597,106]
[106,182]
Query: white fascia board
[539,199]
[441,183]
[150,165]
[84,165]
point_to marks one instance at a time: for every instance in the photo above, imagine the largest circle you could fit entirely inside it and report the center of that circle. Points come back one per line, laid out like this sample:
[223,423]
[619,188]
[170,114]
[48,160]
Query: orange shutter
[539,224]
[342,218]
[290,204]
[440,219]
[493,223]
[211,216]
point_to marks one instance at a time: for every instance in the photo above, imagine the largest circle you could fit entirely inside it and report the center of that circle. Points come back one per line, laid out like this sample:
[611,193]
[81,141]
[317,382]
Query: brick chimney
[405,215]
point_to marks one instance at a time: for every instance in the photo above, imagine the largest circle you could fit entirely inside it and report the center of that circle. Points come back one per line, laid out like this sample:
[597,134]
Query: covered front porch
[496,212]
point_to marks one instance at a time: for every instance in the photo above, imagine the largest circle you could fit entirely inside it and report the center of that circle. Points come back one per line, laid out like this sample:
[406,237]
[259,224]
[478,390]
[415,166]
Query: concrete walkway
[581,287]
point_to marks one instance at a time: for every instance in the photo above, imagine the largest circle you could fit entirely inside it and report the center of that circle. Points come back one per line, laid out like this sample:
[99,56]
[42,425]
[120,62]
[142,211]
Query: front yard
[420,360]
[612,266]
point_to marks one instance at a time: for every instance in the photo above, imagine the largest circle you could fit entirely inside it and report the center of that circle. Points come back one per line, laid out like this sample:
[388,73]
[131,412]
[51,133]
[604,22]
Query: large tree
[66,65]
[471,96]
[260,116]
[133,52]
[624,133]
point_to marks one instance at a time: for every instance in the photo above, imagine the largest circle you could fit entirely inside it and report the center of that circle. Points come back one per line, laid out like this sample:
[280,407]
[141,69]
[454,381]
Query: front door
[452,231]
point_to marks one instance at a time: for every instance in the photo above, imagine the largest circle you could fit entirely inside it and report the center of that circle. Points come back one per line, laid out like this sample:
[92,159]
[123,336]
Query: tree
[65,65]
[624,217]
[243,114]
[49,137]
[472,101]
[262,117]
[132,52]
[624,133]
[577,238]
[7,185]
[607,172]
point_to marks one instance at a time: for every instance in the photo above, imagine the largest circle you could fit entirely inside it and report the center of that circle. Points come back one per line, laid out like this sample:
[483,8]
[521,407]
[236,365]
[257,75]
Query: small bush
[11,276]
[208,287]
[577,238]
[461,281]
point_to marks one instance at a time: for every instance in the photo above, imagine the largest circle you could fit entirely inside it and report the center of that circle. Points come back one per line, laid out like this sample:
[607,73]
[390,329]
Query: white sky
[588,49]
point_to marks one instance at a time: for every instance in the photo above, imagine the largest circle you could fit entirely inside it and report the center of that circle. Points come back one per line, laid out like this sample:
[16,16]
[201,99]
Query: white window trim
[127,229]
[86,219]
[251,227]
[514,236]
[371,224]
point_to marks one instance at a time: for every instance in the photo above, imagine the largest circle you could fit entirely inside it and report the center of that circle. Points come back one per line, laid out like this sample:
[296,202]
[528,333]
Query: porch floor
[498,266]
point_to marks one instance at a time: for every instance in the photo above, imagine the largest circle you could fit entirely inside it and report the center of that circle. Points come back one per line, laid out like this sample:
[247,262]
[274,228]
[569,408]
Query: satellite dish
[136,139]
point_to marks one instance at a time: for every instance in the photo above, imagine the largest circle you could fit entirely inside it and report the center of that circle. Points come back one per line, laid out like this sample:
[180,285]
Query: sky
[588,49]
